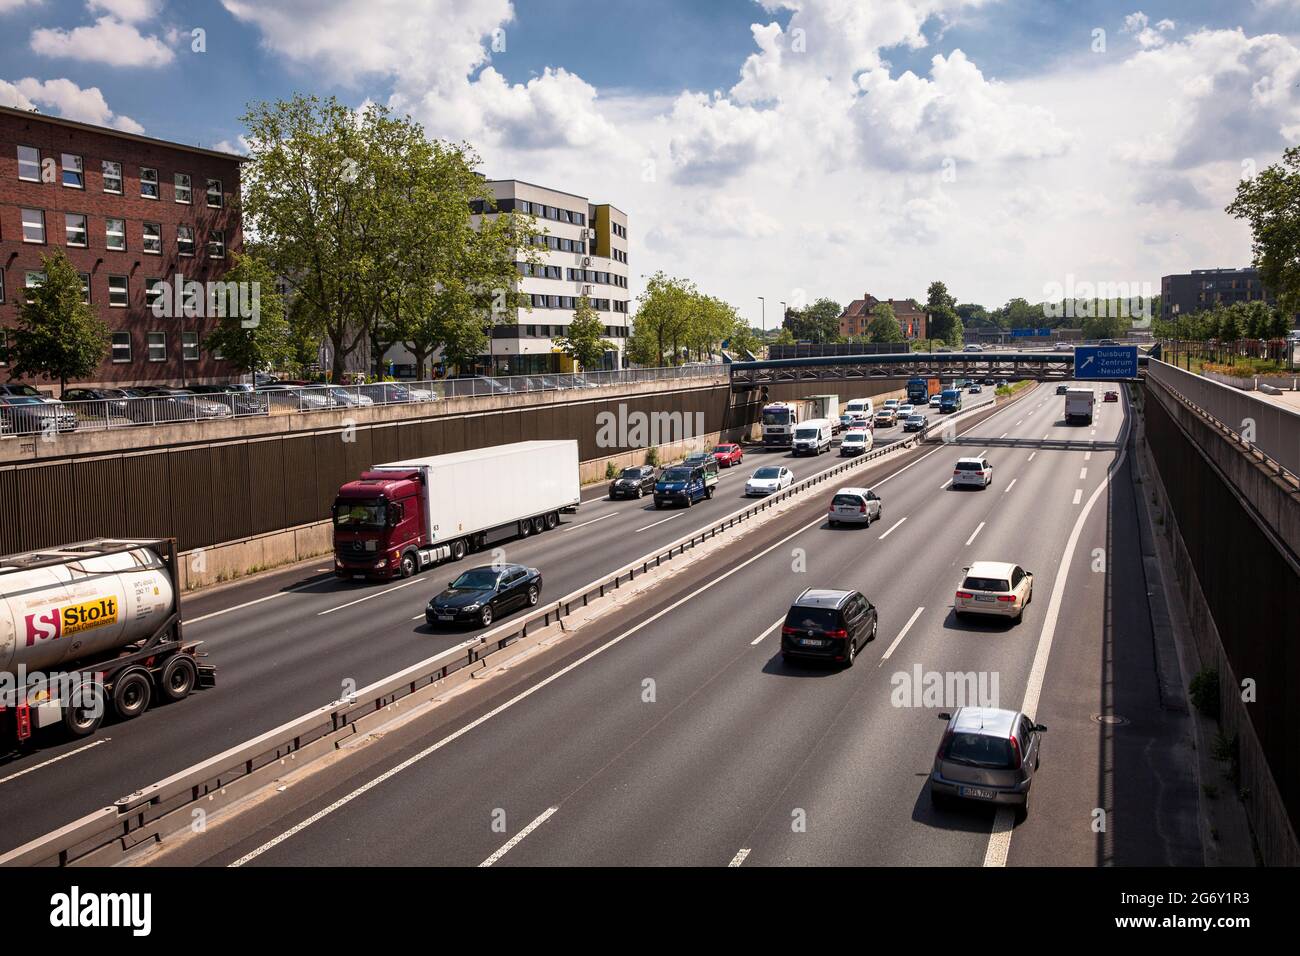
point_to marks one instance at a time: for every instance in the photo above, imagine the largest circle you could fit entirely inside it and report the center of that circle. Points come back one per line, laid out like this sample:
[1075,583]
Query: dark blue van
[681,485]
[950,400]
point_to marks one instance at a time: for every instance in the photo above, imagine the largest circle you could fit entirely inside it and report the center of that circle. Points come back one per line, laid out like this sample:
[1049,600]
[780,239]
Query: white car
[907,408]
[1062,347]
[893,403]
[855,442]
[935,400]
[995,588]
[972,471]
[972,348]
[768,480]
[854,506]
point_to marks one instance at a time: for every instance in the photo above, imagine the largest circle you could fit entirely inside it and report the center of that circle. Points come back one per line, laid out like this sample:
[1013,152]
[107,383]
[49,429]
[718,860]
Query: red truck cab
[379,524]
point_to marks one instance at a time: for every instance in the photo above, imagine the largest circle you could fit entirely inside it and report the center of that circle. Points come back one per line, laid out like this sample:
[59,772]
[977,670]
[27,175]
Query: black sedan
[480,595]
[634,482]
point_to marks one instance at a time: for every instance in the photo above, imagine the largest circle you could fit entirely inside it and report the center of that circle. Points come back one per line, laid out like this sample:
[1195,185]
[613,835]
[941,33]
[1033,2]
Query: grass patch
[1204,692]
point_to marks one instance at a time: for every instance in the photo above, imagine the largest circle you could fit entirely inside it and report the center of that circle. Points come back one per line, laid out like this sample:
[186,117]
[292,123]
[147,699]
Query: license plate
[446,617]
[358,577]
[985,597]
[810,642]
[978,793]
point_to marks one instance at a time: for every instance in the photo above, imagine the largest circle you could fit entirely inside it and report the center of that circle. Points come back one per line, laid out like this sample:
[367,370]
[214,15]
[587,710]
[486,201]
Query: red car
[728,455]
[1111,397]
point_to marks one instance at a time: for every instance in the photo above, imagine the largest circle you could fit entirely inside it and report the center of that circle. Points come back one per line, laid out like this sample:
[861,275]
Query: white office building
[583,253]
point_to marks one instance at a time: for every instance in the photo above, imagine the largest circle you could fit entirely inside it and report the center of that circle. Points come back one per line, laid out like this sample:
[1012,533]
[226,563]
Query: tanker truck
[90,626]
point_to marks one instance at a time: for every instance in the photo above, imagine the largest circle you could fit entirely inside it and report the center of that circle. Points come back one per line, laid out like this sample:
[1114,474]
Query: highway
[672,732]
[287,642]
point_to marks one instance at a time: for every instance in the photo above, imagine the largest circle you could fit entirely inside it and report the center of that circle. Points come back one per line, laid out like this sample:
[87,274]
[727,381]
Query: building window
[148,183]
[216,244]
[152,238]
[85,287]
[121,347]
[185,240]
[190,346]
[215,198]
[115,234]
[154,290]
[72,172]
[183,188]
[29,164]
[112,176]
[189,299]
[33,225]
[4,347]
[118,297]
[74,229]
[2,287]
[157,346]
[33,280]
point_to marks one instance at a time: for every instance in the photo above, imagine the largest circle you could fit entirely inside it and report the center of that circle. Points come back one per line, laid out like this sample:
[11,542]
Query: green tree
[1270,203]
[819,322]
[584,343]
[59,336]
[941,309]
[663,317]
[784,337]
[1107,326]
[883,326]
[744,338]
[259,342]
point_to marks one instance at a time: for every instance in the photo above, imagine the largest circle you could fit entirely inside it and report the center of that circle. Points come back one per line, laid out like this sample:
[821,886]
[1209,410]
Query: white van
[812,437]
[855,442]
[860,406]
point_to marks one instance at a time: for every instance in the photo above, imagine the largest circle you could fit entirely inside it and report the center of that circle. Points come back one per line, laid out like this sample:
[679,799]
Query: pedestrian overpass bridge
[1039,366]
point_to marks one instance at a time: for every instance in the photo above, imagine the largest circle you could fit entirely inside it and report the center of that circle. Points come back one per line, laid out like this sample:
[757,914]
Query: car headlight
[471,607]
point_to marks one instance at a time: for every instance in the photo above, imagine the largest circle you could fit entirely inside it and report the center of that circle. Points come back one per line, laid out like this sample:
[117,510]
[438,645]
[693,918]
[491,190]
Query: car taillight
[965,595]
[787,629]
[840,633]
[1015,746]
[1006,598]
[862,509]
[956,474]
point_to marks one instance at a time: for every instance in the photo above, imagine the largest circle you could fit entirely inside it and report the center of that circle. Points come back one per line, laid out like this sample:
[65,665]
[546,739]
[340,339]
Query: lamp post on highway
[762,304]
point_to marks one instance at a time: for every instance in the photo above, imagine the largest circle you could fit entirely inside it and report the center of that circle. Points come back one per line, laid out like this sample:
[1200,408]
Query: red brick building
[859,313]
[129,212]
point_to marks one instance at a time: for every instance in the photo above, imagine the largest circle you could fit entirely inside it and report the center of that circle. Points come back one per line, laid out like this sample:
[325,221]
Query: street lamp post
[763,306]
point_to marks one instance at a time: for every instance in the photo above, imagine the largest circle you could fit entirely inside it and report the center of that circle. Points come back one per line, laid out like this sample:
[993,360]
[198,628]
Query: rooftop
[117,133]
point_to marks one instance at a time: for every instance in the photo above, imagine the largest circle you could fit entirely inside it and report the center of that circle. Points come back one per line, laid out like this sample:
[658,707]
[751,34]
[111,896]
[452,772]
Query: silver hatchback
[987,755]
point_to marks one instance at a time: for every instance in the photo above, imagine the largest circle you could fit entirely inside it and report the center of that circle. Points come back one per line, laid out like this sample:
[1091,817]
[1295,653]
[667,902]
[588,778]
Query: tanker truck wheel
[179,675]
[131,693]
[84,717]
[458,549]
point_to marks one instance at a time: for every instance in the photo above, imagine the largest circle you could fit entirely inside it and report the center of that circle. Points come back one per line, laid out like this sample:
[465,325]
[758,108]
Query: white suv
[972,471]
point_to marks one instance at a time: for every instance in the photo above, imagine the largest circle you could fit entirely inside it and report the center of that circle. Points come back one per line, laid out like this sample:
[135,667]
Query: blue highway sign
[1106,362]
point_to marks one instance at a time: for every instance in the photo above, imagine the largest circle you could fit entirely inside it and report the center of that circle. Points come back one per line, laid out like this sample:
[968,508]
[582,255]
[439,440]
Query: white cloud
[130,11]
[67,100]
[7,5]
[110,41]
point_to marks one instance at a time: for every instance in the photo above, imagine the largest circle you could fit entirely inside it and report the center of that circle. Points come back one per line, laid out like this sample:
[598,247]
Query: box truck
[825,406]
[90,626]
[919,390]
[404,516]
[1078,406]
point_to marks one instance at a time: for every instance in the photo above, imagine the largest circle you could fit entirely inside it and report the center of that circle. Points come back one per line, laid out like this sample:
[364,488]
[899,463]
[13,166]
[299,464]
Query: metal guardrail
[38,417]
[104,836]
[1267,428]
[1039,366]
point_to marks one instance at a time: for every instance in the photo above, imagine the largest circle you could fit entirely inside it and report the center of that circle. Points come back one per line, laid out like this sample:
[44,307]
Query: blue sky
[986,141]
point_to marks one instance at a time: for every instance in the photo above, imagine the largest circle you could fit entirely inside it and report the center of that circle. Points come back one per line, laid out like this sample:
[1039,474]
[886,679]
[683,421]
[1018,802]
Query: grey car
[987,755]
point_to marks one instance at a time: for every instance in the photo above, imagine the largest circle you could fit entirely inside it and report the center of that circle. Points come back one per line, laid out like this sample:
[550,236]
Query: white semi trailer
[90,626]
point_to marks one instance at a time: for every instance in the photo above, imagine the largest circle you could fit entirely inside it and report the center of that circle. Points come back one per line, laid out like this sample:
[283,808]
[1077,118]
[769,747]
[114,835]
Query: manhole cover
[1113,719]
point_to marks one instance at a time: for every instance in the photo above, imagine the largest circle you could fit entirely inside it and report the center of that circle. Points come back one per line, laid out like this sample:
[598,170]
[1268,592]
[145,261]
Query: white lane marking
[945,484]
[368,597]
[46,763]
[521,696]
[1003,435]
[975,532]
[891,530]
[1087,456]
[1093,432]
[574,527]
[1031,456]
[1047,436]
[739,858]
[777,623]
[1083,473]
[902,634]
[237,607]
[659,522]
[515,840]
[1019,423]
[1010,486]
[1078,496]
[1000,838]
